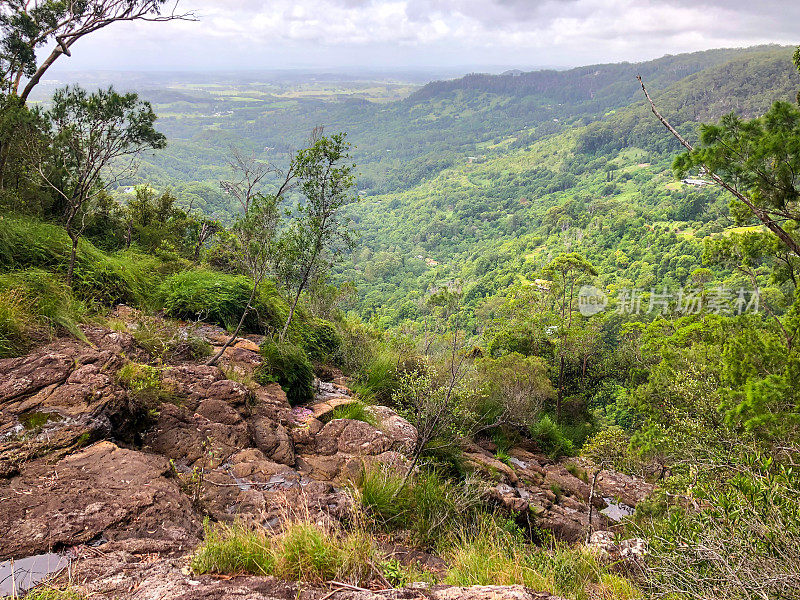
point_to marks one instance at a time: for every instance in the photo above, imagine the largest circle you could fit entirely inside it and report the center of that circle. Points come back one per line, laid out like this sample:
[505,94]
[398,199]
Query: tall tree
[566,271]
[320,231]
[91,134]
[27,26]
[758,161]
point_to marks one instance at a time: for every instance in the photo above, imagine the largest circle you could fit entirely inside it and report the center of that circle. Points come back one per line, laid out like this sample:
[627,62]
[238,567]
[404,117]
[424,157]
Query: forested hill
[399,144]
[600,189]
[609,84]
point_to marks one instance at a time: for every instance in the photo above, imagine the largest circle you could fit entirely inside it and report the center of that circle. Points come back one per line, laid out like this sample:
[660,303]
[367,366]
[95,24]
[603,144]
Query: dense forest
[516,265]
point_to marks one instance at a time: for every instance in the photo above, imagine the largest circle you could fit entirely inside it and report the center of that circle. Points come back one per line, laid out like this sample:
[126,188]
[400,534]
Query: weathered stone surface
[273,440]
[63,396]
[102,489]
[402,433]
[351,437]
[187,438]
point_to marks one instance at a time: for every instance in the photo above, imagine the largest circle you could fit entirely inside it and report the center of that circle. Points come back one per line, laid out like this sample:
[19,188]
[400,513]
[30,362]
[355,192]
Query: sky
[402,34]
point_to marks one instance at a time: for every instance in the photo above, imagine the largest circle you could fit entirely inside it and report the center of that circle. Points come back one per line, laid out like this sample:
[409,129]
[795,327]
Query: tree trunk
[214,359]
[560,390]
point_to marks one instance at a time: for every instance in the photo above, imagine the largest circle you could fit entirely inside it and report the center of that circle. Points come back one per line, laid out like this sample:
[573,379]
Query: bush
[221,298]
[551,438]
[323,340]
[609,446]
[289,366]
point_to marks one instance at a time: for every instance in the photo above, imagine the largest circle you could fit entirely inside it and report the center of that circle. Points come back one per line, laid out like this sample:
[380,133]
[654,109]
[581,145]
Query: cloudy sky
[268,34]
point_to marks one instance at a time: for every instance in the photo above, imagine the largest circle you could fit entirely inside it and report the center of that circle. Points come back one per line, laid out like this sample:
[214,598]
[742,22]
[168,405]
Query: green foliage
[99,277]
[220,298]
[46,592]
[431,507]
[492,556]
[551,438]
[138,377]
[34,304]
[609,447]
[323,340]
[355,411]
[234,549]
[749,517]
[289,366]
[169,342]
[304,551]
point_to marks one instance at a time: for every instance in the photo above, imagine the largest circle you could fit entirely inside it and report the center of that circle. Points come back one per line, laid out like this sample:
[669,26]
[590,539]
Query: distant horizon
[354,69]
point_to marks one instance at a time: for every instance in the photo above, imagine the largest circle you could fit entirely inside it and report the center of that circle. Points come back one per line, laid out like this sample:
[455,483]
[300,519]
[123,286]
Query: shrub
[144,383]
[609,446]
[323,340]
[289,366]
[551,438]
[221,298]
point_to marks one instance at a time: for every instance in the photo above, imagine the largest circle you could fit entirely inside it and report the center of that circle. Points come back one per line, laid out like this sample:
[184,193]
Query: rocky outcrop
[64,396]
[102,490]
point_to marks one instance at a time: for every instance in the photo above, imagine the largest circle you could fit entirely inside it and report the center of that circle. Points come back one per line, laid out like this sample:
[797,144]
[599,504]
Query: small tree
[319,232]
[91,133]
[519,384]
[433,400]
[256,226]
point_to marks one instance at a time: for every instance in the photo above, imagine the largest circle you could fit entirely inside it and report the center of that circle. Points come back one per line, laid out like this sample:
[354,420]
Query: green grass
[430,507]
[100,277]
[46,592]
[304,551]
[493,556]
[355,411]
[35,304]
[169,342]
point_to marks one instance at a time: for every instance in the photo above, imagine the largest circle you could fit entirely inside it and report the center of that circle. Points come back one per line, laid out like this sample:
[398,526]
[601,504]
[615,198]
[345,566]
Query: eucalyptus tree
[27,26]
[96,140]
[319,232]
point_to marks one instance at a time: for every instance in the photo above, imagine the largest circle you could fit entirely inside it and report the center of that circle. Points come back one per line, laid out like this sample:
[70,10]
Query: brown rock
[272,439]
[102,489]
[351,437]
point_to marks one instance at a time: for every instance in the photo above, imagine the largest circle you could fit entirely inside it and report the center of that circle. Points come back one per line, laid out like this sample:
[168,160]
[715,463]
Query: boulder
[351,437]
[272,439]
[403,433]
[102,490]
